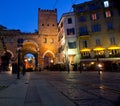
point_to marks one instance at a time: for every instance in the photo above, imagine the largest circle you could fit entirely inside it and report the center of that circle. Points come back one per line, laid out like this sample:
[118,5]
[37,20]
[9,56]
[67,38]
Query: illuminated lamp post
[20,42]
[18,69]
[99,66]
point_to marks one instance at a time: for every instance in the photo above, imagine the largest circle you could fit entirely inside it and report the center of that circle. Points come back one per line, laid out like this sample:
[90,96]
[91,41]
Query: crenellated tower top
[47,22]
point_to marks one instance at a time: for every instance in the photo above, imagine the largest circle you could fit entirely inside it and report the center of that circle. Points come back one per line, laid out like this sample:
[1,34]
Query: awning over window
[98,49]
[113,47]
[85,50]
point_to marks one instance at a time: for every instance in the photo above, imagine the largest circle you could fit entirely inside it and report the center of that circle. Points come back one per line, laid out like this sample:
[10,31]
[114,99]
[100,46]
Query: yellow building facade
[98,31]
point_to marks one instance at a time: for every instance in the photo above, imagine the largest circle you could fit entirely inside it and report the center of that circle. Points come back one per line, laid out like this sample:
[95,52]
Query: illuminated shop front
[108,58]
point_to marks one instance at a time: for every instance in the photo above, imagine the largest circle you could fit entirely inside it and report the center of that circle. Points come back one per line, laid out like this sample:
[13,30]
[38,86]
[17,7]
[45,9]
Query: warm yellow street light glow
[99,65]
[29,59]
[92,63]
[25,60]
[51,61]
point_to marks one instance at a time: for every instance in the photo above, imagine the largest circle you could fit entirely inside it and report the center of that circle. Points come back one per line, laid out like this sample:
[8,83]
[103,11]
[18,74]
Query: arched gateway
[48,57]
[29,61]
[42,45]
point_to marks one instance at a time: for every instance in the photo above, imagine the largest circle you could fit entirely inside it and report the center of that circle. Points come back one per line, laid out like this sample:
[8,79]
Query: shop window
[114,53]
[100,53]
[85,54]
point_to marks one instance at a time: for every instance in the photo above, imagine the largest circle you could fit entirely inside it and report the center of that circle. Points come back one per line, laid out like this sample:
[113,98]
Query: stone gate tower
[43,45]
[47,31]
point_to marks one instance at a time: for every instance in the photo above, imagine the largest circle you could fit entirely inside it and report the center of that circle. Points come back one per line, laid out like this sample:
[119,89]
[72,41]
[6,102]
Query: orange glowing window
[94,16]
[108,14]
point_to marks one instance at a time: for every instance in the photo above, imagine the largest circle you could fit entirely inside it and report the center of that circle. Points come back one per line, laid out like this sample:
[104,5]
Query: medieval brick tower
[47,22]
[42,45]
[47,31]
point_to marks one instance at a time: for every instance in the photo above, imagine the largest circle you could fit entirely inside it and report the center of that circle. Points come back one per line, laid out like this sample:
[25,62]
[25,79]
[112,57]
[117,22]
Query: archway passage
[29,55]
[29,62]
[5,61]
[48,60]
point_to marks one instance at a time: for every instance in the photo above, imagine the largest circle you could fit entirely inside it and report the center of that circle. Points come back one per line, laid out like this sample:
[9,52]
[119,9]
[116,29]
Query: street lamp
[20,43]
[18,68]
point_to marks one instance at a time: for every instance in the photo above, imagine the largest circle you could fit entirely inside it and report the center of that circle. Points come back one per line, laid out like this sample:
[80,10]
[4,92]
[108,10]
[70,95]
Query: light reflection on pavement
[86,88]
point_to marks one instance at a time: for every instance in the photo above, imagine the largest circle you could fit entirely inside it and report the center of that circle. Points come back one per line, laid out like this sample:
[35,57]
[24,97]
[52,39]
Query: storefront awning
[85,50]
[113,47]
[98,49]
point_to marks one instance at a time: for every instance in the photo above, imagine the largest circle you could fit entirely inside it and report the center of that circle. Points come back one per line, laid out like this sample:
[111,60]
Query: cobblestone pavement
[86,88]
[81,89]
[32,96]
[6,79]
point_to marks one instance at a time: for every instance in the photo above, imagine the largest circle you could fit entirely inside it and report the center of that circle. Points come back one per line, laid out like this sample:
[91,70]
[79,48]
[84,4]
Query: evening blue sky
[23,14]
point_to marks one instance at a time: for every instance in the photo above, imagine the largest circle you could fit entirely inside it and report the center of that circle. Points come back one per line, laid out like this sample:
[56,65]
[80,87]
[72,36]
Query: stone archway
[48,51]
[48,57]
[5,60]
[29,47]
